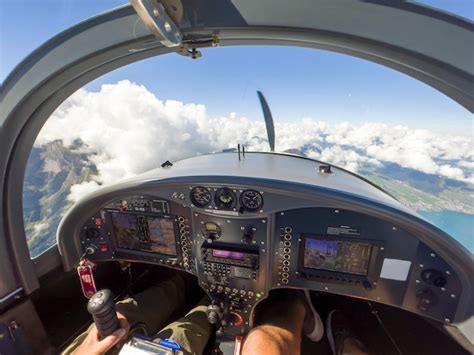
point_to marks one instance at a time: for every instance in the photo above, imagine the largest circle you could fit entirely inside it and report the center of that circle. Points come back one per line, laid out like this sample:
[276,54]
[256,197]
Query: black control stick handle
[102,308]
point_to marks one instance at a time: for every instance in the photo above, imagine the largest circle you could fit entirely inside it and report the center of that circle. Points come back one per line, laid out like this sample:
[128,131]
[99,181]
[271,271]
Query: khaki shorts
[148,311]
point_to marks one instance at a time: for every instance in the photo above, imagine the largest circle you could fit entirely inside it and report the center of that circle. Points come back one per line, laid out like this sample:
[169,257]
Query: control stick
[102,308]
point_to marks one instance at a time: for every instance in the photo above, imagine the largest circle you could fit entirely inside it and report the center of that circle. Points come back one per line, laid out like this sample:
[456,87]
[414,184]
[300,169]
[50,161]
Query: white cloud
[80,190]
[51,166]
[451,172]
[129,131]
[467,164]
[345,158]
[38,227]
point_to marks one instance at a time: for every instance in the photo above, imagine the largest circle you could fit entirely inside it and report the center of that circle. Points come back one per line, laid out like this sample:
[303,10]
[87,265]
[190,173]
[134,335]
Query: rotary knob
[426,299]
[213,313]
[433,277]
[248,235]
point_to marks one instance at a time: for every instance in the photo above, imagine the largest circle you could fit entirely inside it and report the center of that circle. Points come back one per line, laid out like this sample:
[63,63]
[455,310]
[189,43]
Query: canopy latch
[155,17]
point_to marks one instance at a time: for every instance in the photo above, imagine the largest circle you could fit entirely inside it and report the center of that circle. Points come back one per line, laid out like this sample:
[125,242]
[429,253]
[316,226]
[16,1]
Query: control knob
[213,313]
[247,237]
[211,231]
[433,277]
[426,299]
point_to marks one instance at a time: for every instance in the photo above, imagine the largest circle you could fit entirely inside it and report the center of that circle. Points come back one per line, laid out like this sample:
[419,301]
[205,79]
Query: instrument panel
[239,250]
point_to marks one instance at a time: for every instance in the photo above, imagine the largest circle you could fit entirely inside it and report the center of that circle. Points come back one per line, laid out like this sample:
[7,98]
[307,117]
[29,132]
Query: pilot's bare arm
[92,345]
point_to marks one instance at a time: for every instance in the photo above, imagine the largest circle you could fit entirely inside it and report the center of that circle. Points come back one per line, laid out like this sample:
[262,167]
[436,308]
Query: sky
[297,82]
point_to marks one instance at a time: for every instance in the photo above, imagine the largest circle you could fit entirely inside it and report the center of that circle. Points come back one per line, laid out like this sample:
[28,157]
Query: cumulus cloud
[38,227]
[127,130]
[79,190]
[344,157]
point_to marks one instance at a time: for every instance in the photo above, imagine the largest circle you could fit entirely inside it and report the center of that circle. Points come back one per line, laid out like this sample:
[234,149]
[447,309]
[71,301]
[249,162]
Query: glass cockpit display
[336,255]
[144,233]
[226,254]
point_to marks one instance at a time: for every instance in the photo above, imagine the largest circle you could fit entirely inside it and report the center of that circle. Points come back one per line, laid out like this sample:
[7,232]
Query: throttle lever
[102,308]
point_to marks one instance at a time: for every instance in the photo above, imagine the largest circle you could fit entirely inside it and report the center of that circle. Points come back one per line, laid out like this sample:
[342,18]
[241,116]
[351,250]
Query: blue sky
[300,83]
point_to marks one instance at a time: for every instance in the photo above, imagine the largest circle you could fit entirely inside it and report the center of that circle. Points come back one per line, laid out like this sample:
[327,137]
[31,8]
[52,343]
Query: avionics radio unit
[231,254]
[230,260]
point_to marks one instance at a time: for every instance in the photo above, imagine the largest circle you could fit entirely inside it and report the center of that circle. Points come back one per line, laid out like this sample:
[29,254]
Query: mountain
[51,171]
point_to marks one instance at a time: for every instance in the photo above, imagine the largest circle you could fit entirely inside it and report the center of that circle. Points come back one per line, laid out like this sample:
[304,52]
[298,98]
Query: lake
[459,225]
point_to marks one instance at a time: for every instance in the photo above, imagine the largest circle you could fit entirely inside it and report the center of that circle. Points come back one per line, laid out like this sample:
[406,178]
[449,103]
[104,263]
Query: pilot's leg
[151,309]
[191,332]
[278,327]
[279,322]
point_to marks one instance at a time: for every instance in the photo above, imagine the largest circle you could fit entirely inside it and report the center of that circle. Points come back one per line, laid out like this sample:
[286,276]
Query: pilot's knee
[266,339]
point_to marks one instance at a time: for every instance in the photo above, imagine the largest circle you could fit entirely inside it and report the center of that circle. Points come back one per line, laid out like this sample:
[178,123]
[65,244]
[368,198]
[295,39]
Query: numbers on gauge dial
[201,196]
[251,200]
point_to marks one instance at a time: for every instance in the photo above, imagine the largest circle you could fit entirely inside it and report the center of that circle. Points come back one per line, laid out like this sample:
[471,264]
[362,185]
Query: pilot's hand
[92,345]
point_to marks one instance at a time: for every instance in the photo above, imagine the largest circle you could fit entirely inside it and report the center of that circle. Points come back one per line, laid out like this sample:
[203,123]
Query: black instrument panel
[240,253]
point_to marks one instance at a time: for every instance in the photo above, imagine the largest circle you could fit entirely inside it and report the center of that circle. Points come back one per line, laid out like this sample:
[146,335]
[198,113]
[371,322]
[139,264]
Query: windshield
[402,135]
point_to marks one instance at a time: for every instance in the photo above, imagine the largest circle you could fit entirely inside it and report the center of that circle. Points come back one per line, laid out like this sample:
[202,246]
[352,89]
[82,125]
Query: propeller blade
[268,120]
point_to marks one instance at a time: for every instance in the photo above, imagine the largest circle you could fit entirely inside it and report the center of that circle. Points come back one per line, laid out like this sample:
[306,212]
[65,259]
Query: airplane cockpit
[237,226]
[242,234]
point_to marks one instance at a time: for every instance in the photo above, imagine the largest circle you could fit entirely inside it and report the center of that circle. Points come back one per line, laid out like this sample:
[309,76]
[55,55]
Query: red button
[98,221]
[104,247]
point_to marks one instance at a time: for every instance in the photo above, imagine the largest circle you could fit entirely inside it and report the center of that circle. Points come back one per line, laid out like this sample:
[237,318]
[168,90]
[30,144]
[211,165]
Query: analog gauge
[201,196]
[251,200]
[225,198]
[211,230]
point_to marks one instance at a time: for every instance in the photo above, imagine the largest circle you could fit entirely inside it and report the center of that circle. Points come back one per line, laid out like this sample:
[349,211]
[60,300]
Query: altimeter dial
[201,196]
[251,200]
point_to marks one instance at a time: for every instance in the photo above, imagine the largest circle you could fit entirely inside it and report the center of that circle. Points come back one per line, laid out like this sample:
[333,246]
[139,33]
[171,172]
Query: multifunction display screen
[336,255]
[145,233]
[225,254]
